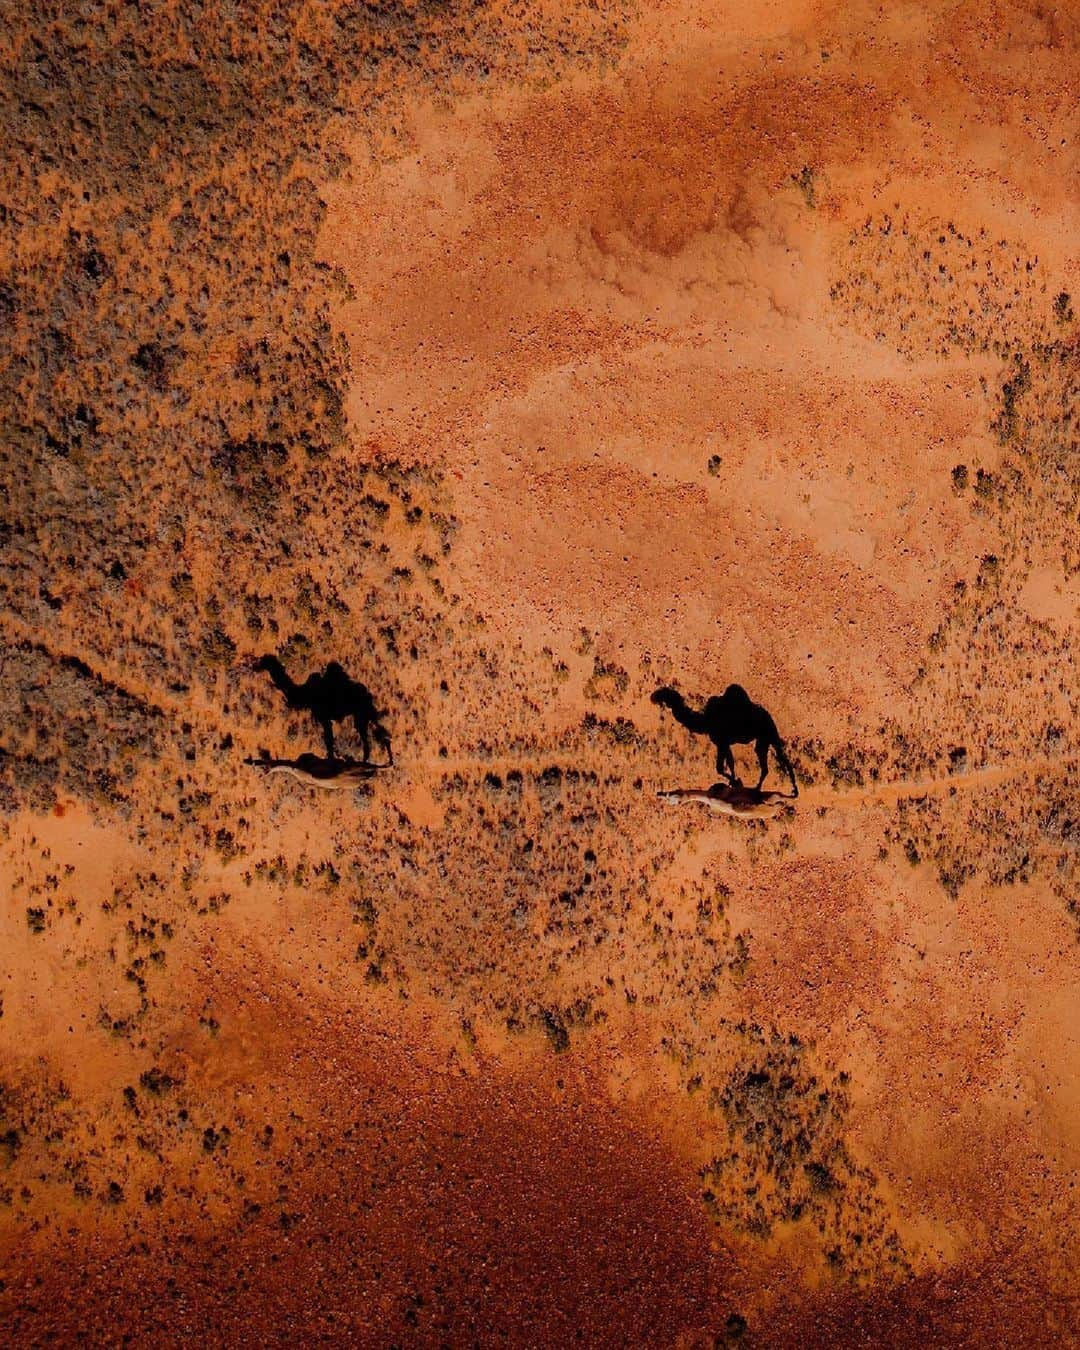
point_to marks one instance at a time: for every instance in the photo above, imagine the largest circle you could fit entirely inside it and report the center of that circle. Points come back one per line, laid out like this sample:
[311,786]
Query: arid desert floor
[523,358]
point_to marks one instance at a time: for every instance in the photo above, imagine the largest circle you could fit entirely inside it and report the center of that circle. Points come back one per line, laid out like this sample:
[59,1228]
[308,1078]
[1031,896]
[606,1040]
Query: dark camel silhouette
[732,719]
[332,697]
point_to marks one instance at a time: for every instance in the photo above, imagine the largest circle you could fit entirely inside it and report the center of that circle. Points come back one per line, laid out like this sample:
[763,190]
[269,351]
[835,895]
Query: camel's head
[667,697]
[267,662]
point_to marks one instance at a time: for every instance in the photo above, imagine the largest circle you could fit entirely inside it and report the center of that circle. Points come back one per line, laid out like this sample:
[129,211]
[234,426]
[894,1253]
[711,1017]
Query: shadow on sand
[332,696]
[731,719]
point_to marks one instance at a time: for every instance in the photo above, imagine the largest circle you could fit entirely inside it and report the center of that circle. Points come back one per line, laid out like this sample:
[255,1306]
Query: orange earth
[521,358]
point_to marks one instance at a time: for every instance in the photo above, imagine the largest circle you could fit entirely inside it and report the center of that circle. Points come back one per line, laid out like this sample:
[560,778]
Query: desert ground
[523,358]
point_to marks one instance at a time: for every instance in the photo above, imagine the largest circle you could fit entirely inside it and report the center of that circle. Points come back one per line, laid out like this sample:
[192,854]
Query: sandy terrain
[522,359]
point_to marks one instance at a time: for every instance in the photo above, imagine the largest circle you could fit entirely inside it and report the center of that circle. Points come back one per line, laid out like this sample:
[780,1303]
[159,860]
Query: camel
[723,800]
[332,697]
[331,774]
[731,719]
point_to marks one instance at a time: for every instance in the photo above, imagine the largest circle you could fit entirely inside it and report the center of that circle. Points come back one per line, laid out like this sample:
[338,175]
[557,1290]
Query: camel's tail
[786,765]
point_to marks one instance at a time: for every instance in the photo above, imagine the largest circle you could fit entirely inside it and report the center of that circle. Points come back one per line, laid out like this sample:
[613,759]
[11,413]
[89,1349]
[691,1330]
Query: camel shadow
[732,719]
[332,696]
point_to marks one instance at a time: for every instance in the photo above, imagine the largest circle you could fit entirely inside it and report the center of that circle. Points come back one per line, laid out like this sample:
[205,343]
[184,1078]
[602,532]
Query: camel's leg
[328,736]
[725,764]
[362,729]
[733,772]
[785,764]
[762,748]
[383,737]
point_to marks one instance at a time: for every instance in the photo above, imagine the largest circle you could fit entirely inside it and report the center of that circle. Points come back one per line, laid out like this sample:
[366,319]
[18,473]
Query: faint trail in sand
[817,795]
[528,762]
[193,705]
[974,779]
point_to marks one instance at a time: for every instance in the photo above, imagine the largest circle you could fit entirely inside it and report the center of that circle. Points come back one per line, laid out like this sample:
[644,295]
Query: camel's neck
[687,717]
[277,673]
